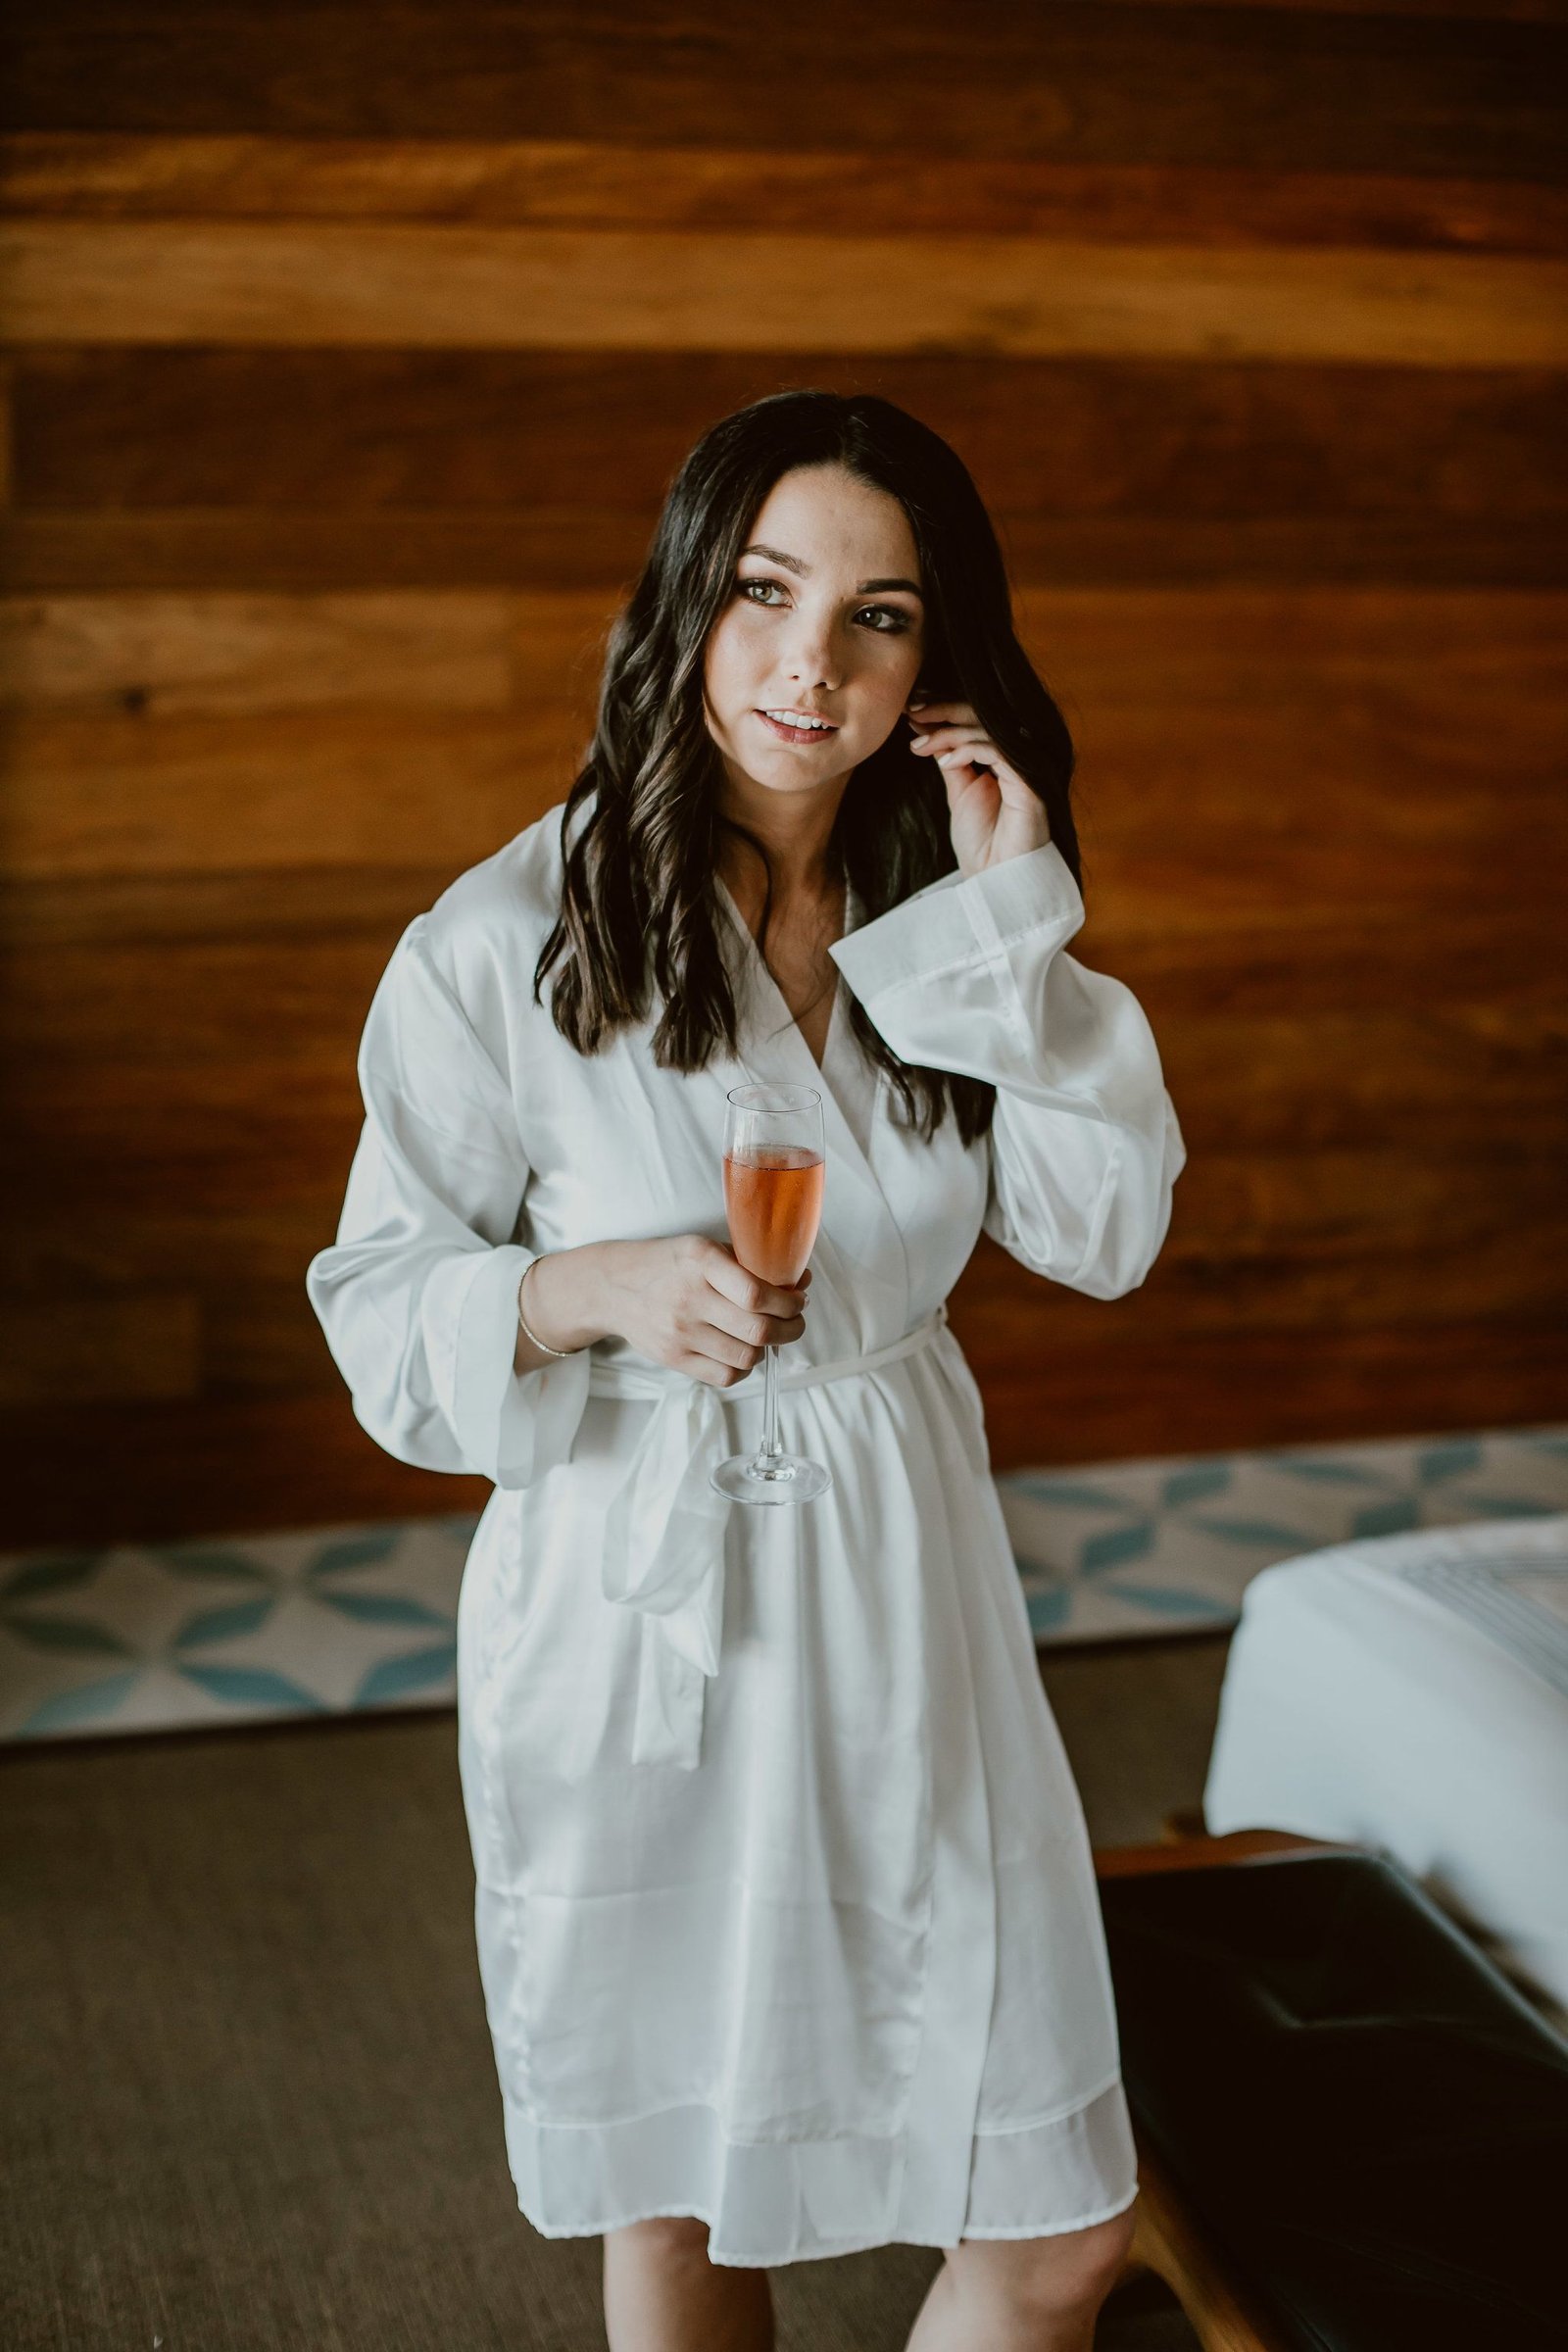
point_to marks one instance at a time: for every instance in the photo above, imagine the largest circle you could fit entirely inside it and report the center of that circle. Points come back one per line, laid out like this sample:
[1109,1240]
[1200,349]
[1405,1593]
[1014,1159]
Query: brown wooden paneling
[239,656]
[288,903]
[1353,742]
[129,1346]
[578,435]
[242,1225]
[1273,1387]
[1251,332]
[579,184]
[1295,1229]
[1486,12]
[90,1473]
[1379,661]
[1284,90]
[1424,1079]
[294,282]
[316,470]
[94,795]
[579,547]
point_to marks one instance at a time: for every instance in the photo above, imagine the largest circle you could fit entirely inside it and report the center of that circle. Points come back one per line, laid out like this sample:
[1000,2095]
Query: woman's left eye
[895,621]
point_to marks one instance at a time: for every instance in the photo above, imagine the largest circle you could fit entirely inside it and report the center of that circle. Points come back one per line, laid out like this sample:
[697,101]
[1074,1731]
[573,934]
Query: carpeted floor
[249,2104]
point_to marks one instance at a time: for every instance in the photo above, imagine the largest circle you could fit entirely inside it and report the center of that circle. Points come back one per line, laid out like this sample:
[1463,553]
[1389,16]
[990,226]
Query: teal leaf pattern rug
[333,1621]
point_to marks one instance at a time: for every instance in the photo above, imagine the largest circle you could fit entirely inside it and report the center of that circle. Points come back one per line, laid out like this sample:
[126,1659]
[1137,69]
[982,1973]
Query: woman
[786,1917]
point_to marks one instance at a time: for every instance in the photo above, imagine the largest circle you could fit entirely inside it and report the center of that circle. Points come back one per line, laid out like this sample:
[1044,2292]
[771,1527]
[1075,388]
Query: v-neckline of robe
[821,1070]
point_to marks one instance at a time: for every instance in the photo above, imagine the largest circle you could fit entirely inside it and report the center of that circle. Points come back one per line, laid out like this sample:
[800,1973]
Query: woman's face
[825,623]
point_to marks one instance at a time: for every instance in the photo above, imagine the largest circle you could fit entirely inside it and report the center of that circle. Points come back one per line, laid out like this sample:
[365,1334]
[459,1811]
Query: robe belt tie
[663,1548]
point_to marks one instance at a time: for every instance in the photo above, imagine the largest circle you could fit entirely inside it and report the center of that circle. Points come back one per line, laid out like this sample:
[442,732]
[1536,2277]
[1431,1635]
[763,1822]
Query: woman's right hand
[688,1303]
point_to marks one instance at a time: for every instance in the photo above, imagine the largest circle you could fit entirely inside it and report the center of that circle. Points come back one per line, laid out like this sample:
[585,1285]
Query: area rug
[342,1620]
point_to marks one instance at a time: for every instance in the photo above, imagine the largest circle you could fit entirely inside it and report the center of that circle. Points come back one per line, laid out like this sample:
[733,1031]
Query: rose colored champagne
[773,1199]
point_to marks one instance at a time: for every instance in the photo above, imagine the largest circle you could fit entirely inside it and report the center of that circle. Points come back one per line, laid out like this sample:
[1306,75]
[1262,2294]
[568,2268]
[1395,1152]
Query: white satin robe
[785,1910]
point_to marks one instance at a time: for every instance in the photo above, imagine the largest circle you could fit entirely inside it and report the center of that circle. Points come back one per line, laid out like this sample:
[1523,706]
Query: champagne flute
[774,1167]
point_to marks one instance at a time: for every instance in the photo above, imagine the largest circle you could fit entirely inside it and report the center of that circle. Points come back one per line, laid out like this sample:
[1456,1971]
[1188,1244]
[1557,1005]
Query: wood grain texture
[347,363]
[1271,1388]
[132,1346]
[1295,1231]
[1287,89]
[1425,1079]
[174,282]
[1206,702]
[582,183]
[245,654]
[87,1472]
[579,435]
[191,794]
[312,550]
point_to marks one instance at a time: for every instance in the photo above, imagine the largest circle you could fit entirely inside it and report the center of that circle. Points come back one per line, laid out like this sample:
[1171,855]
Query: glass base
[789,1478]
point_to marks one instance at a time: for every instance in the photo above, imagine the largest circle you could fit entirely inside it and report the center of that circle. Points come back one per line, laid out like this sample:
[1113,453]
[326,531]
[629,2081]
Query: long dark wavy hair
[639,905]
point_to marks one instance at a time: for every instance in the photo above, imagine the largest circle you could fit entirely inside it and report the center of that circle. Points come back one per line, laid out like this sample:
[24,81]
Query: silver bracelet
[541,1345]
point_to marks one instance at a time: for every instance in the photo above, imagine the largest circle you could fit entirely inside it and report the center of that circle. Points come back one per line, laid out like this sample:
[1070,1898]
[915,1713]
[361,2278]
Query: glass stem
[770,1449]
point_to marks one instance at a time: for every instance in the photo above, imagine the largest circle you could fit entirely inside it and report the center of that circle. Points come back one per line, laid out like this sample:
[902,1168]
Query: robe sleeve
[419,1295]
[971,975]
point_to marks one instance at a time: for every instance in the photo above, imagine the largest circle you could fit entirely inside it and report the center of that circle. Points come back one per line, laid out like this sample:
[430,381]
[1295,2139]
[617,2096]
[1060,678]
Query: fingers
[937,741]
[761,1328]
[721,1359]
[744,1349]
[732,1315]
[724,1273]
[925,712]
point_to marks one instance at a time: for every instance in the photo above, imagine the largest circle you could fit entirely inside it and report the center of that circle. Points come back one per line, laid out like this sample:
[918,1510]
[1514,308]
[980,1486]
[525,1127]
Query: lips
[823,732]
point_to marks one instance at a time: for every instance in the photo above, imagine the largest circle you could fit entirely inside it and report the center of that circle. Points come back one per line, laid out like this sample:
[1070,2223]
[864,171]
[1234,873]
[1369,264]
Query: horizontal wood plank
[243,654]
[579,184]
[115,1473]
[97,974]
[335,904]
[453,650]
[1277,1388]
[1418,1078]
[424,285]
[192,795]
[188,794]
[578,439]
[1353,740]
[572,547]
[1383,659]
[1289,89]
[86,1350]
[1270,1218]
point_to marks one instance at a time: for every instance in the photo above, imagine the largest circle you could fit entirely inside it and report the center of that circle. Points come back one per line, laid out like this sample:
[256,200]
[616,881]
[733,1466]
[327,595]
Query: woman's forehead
[827,520]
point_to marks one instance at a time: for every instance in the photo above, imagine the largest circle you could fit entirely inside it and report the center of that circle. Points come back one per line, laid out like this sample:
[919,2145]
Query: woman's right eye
[746,587]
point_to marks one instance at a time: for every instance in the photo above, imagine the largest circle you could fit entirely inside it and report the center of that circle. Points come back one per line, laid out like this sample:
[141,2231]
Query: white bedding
[1412,1693]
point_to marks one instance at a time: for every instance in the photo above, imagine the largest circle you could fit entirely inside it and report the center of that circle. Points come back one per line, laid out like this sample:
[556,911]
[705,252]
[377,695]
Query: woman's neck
[797,839]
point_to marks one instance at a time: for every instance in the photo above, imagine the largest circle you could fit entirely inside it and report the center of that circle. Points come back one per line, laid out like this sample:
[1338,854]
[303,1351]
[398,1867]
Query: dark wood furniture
[1350,2124]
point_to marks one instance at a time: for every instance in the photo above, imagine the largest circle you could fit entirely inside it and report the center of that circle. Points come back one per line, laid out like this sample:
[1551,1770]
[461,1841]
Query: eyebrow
[777,555]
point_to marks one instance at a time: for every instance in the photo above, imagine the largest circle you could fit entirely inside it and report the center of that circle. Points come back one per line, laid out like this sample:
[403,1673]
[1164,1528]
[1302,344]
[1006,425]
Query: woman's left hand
[994,813]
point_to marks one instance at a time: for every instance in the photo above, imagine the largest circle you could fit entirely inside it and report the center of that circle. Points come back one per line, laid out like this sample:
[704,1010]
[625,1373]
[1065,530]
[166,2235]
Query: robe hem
[831,2250]
[778,2219]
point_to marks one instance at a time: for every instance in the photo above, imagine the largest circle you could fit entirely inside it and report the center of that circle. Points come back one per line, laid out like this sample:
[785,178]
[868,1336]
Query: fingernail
[917,743]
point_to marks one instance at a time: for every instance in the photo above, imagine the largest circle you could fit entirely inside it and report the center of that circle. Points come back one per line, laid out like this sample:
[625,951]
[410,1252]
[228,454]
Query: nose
[809,661]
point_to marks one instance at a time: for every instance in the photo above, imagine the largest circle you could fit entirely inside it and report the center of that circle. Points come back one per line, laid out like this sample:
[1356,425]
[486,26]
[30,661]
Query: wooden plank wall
[347,353]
